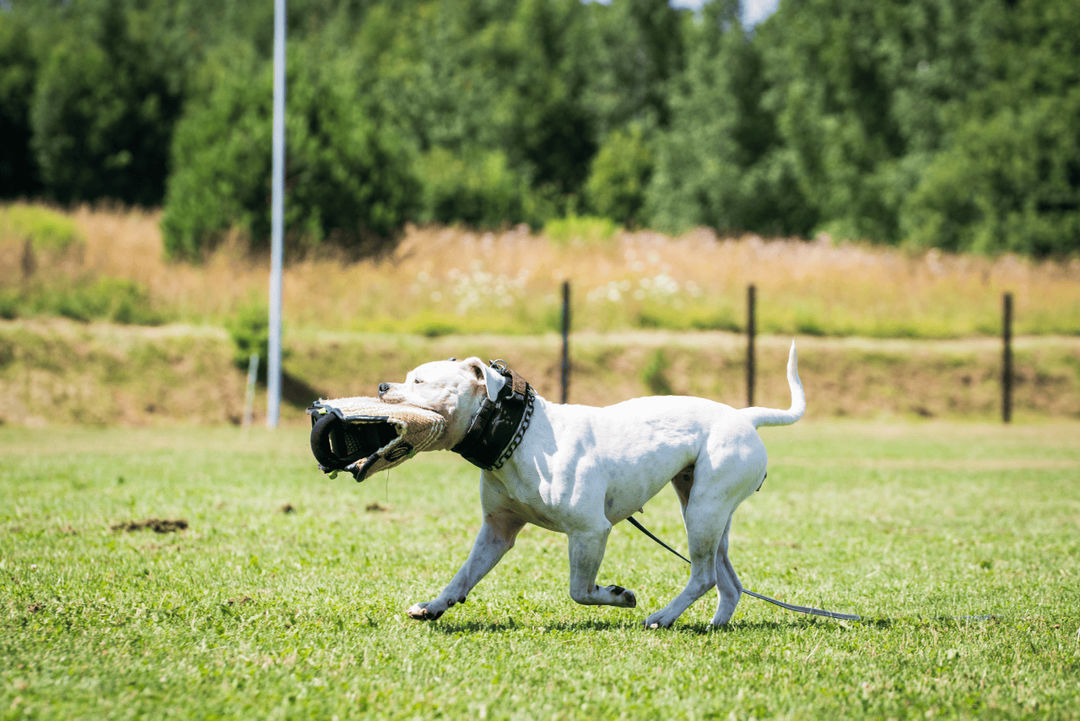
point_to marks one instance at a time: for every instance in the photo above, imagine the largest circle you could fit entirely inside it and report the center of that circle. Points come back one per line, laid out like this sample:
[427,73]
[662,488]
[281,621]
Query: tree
[18,72]
[347,181]
[635,49]
[481,81]
[721,162]
[932,122]
[1007,183]
[104,105]
[865,94]
[1007,175]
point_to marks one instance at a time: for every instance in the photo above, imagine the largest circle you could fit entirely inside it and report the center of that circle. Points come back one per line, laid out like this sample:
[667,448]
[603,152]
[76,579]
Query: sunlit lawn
[284,596]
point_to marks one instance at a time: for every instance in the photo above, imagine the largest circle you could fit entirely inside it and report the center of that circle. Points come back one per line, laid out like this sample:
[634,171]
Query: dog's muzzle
[363,435]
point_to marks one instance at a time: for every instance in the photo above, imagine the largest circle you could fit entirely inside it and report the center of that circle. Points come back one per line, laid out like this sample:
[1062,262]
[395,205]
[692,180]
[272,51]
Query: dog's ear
[491,378]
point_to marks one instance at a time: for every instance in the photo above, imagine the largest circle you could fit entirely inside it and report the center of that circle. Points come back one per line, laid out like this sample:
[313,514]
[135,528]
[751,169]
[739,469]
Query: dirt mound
[157,525]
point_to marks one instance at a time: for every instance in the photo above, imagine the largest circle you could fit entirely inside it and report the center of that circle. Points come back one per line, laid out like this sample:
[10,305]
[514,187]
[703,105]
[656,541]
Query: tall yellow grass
[451,280]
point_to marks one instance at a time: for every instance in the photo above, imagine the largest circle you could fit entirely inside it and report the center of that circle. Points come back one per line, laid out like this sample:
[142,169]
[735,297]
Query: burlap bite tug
[363,435]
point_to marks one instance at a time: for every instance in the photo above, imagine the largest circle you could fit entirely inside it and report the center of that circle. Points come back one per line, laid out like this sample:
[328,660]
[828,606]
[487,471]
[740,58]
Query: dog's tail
[775,417]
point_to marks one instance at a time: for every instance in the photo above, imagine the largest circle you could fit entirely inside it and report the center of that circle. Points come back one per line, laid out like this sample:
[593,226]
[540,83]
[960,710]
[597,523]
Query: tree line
[932,123]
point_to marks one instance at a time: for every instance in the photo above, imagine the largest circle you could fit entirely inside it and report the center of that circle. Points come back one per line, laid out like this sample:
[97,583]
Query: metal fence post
[565,367]
[751,331]
[1007,358]
[249,395]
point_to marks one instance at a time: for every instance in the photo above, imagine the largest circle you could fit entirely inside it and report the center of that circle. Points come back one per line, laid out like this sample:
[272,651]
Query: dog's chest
[537,512]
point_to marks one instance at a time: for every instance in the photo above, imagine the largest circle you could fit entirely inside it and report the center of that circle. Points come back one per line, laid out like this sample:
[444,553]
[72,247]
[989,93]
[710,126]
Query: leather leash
[791,607]
[808,609]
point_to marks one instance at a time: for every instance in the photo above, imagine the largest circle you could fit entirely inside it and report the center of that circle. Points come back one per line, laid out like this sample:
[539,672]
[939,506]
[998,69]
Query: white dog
[581,469]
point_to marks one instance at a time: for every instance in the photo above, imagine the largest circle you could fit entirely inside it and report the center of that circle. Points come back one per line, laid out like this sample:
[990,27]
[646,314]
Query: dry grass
[442,280]
[61,372]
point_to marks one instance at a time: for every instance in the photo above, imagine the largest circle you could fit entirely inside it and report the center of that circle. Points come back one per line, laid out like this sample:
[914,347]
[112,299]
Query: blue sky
[754,11]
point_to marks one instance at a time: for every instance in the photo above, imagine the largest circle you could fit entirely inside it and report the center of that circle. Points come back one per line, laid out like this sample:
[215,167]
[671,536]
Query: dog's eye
[417,380]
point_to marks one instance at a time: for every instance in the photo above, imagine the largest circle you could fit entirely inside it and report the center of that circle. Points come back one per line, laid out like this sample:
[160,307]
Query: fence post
[565,367]
[1007,358]
[249,395]
[751,331]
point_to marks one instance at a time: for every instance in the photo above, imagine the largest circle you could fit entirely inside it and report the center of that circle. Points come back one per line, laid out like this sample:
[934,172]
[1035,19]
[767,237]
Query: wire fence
[1007,369]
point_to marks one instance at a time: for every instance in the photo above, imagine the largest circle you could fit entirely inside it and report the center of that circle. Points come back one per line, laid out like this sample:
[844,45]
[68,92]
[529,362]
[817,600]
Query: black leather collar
[496,429]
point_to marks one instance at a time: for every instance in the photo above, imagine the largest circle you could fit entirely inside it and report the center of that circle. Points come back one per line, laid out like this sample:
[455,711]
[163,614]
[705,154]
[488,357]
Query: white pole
[277,212]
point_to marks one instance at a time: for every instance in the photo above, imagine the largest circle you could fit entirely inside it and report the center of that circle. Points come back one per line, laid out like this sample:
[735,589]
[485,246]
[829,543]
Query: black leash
[637,524]
[791,607]
[804,609]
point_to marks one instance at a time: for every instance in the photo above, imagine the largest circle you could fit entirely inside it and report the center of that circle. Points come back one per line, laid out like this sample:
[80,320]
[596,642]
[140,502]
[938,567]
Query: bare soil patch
[157,525]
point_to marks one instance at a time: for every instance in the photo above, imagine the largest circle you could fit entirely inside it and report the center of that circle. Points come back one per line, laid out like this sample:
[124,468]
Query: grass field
[284,596]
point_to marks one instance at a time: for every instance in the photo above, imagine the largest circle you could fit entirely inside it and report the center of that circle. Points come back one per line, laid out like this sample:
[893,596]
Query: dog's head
[454,389]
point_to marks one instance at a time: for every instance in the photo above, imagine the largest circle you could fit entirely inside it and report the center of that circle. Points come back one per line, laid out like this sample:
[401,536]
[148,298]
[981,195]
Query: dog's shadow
[512,626]
[696,629]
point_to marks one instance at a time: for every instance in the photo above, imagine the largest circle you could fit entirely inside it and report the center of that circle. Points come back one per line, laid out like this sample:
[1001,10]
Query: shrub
[580,230]
[431,324]
[249,330]
[654,375]
[619,175]
[10,305]
[478,190]
[47,230]
[32,236]
[681,317]
[115,300]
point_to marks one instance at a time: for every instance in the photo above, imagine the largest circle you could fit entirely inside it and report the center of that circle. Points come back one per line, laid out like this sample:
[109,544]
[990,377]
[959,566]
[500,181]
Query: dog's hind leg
[703,534]
[728,585]
[586,552]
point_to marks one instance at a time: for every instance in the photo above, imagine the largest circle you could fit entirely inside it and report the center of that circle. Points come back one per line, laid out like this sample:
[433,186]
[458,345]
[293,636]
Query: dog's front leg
[495,538]
[586,553]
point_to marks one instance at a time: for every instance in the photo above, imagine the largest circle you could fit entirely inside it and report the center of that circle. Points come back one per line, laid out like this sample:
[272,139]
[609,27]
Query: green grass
[253,612]
[581,231]
[85,299]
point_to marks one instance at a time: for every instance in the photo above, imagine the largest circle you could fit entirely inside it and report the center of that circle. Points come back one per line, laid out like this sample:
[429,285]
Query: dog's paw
[658,620]
[624,597]
[422,612]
